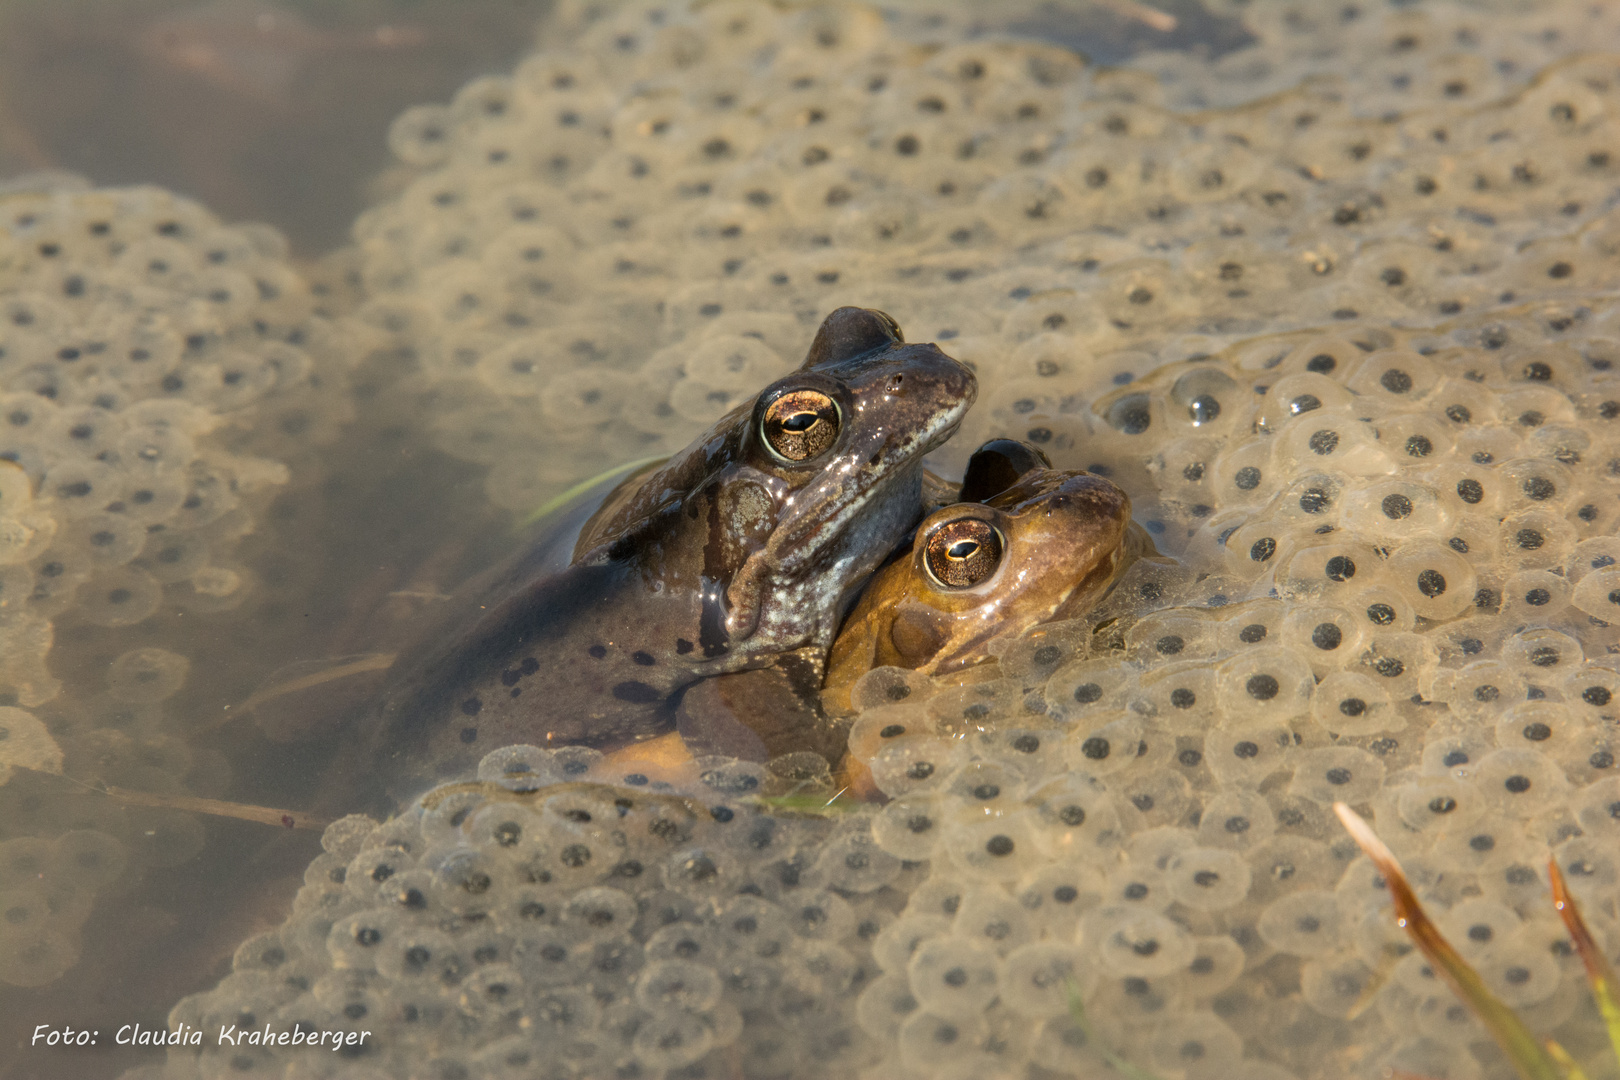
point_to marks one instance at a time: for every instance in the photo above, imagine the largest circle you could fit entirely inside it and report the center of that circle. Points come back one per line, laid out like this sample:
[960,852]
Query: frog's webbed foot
[756,716]
[711,720]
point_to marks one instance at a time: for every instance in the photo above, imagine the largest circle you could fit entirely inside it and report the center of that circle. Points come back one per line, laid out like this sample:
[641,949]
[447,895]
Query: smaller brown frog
[1043,544]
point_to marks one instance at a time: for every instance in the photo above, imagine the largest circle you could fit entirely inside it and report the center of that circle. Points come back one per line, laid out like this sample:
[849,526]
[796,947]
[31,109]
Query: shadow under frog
[743,550]
[1027,544]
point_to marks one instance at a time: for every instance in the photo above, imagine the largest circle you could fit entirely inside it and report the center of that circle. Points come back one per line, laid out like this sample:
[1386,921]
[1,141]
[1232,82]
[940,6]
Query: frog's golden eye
[800,424]
[961,553]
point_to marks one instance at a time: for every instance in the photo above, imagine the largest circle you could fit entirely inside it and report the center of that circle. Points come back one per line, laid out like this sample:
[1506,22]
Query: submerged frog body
[1043,544]
[1026,544]
[743,550]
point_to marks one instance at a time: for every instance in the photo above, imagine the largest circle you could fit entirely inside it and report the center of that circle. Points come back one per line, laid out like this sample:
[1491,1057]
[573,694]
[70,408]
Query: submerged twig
[1529,1057]
[263,815]
[1151,17]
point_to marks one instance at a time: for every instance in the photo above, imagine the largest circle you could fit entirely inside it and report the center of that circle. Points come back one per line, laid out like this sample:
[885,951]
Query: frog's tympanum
[1043,545]
[745,549]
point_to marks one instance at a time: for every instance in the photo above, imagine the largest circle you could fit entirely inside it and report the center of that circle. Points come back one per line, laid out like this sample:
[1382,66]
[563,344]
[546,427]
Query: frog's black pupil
[962,553]
[800,425]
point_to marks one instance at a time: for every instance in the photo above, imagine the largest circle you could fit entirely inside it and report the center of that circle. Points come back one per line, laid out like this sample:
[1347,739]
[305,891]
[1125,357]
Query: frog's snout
[961,381]
[936,380]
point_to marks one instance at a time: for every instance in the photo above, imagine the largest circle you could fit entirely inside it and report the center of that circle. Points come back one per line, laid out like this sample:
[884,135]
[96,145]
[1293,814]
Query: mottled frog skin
[1042,545]
[745,549]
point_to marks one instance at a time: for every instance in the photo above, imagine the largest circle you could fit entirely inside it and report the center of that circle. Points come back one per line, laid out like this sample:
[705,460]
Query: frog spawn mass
[1347,348]
[637,228]
[137,337]
[158,376]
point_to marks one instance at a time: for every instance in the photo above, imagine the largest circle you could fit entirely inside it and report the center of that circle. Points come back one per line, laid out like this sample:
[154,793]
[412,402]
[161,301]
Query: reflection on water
[1402,276]
[265,111]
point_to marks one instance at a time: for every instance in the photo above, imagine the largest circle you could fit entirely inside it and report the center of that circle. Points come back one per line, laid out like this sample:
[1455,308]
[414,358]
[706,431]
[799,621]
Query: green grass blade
[1598,971]
[1572,1070]
[1077,1012]
[811,804]
[1523,1049]
[557,502]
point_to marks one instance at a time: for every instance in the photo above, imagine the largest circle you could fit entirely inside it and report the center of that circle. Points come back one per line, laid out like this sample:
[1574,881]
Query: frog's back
[457,698]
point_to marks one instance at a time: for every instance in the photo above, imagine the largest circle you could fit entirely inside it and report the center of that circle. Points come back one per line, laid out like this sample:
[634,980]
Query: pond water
[1327,290]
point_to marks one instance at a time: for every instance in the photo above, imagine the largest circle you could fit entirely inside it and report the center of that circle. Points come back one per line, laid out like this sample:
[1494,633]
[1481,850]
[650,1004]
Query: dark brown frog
[743,550]
[1042,545]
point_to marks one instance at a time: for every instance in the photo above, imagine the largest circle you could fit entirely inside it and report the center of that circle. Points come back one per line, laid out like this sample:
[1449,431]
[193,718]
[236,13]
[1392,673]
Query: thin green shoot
[811,803]
[557,502]
[1077,1012]
[1571,1068]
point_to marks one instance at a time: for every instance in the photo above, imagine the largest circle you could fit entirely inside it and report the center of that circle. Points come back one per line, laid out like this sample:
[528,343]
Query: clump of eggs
[1348,346]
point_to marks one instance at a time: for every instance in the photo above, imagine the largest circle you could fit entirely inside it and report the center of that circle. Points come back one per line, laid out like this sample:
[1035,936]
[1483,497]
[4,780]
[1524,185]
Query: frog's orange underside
[667,758]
